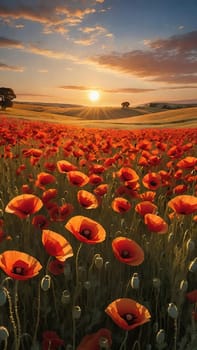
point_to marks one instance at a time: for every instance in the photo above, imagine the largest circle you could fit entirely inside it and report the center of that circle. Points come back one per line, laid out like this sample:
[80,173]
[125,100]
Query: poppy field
[98,237]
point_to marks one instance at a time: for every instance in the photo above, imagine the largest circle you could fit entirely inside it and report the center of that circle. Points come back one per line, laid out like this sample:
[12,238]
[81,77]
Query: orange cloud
[169,60]
[10,43]
[5,67]
[118,90]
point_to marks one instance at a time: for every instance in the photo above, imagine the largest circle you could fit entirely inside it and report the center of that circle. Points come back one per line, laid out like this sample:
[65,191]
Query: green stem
[38,315]
[12,320]
[124,342]
[16,313]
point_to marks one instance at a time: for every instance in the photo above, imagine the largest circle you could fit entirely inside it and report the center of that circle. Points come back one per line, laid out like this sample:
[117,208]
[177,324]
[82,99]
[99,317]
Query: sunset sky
[135,50]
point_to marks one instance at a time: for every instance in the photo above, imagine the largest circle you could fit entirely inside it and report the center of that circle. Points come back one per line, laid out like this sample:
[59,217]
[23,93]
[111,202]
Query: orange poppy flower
[19,265]
[64,166]
[44,179]
[56,245]
[86,230]
[192,296]
[127,313]
[120,205]
[127,251]
[180,189]
[148,196]
[24,205]
[127,174]
[26,189]
[146,207]
[95,179]
[91,341]
[77,178]
[152,181]
[87,199]
[155,223]
[187,162]
[100,190]
[56,267]
[183,204]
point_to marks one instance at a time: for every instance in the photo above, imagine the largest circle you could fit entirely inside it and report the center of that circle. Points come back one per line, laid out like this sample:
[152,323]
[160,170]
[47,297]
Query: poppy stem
[38,315]
[12,320]
[16,314]
[124,342]
[77,263]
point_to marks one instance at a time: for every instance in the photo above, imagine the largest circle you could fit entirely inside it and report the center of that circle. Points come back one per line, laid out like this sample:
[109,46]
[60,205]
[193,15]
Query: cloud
[50,14]
[10,43]
[90,35]
[171,60]
[45,52]
[5,67]
[118,90]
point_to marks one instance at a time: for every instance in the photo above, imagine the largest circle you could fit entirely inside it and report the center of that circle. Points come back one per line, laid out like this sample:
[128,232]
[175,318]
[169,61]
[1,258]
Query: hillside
[106,117]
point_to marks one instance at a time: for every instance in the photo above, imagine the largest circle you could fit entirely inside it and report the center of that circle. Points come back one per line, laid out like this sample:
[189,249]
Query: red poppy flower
[77,178]
[51,341]
[180,189]
[91,341]
[40,221]
[95,179]
[145,207]
[127,251]
[24,205]
[49,194]
[187,162]
[100,190]
[183,204]
[86,230]
[127,313]
[64,166]
[152,181]
[19,265]
[60,213]
[44,179]
[56,267]
[121,205]
[127,174]
[155,223]
[56,245]
[148,196]
[26,189]
[87,199]
[192,296]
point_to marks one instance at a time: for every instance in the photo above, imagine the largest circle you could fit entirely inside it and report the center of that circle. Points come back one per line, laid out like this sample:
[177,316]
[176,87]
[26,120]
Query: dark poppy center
[153,183]
[86,232]
[18,270]
[125,254]
[129,318]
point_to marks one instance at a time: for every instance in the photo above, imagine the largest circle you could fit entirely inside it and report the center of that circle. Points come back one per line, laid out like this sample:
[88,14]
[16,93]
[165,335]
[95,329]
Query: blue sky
[138,50]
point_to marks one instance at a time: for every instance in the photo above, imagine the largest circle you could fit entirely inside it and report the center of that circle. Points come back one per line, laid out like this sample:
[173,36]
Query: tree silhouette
[125,105]
[6,96]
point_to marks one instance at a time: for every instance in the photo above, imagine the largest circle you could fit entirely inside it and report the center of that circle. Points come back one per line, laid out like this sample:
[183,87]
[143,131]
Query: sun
[93,95]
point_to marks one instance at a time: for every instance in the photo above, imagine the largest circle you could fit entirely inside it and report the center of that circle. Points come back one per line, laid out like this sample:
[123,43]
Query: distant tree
[125,105]
[6,97]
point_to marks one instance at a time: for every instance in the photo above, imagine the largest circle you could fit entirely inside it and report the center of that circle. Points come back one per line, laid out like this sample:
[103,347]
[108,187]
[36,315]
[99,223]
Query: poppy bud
[4,334]
[87,285]
[103,343]
[190,246]
[107,265]
[172,310]
[76,312]
[65,298]
[170,237]
[183,286]
[98,261]
[193,265]
[135,282]
[3,296]
[160,337]
[156,283]
[46,283]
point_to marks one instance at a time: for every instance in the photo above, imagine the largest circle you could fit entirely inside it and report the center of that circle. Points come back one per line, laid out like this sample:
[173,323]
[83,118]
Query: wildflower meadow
[98,237]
